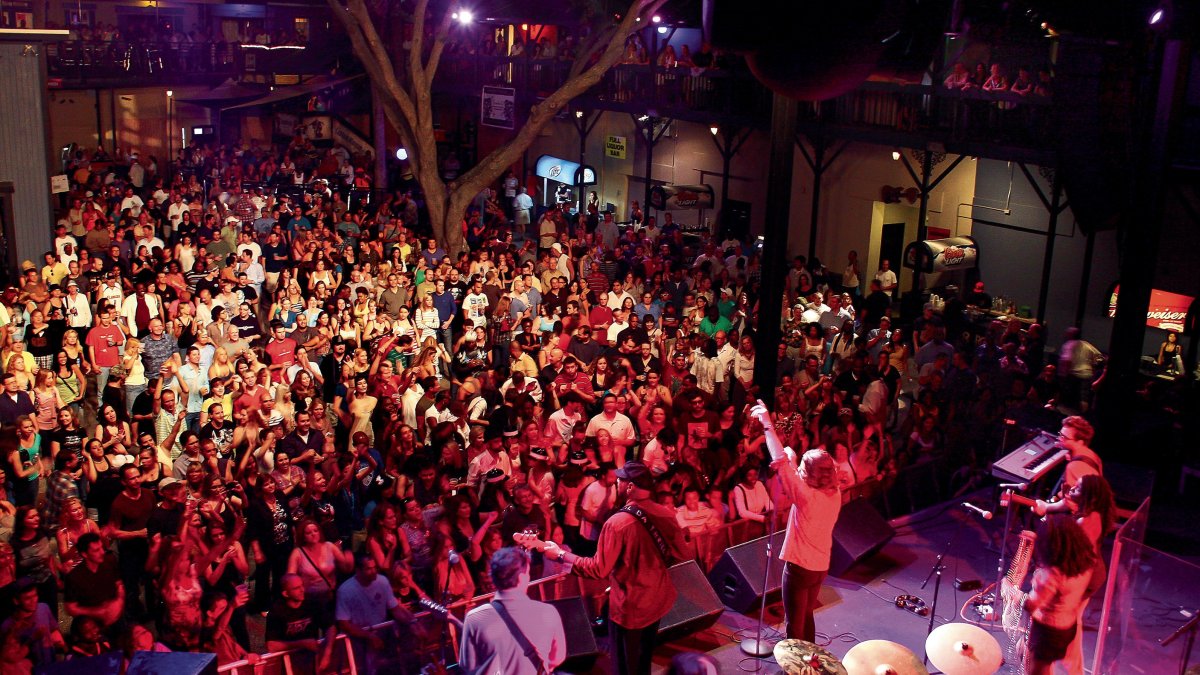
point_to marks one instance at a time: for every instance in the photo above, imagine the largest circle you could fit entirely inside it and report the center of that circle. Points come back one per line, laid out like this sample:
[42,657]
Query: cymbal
[880,657]
[963,649]
[798,657]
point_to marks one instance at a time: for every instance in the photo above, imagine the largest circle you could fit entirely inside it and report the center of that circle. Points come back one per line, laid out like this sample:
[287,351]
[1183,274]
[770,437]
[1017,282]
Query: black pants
[632,648]
[800,590]
[132,555]
[267,576]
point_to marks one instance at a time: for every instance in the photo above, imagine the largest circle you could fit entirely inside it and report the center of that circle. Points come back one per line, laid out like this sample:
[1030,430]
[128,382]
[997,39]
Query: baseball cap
[169,481]
[539,453]
[495,476]
[361,438]
[638,474]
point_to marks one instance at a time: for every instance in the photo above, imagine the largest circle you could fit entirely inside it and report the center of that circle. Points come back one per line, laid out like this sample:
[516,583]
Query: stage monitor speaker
[176,663]
[696,605]
[581,642]
[860,533]
[737,577]
[104,664]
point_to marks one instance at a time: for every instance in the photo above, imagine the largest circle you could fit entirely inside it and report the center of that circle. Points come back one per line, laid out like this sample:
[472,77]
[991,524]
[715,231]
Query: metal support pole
[1084,277]
[651,141]
[922,214]
[818,169]
[1051,235]
[774,264]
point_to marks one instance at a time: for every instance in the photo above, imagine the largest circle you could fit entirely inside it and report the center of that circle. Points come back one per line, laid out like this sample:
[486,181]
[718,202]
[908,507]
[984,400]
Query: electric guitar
[529,541]
[440,611]
[1009,497]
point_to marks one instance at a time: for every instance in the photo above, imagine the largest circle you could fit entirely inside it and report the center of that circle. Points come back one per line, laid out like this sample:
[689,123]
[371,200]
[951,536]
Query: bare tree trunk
[407,101]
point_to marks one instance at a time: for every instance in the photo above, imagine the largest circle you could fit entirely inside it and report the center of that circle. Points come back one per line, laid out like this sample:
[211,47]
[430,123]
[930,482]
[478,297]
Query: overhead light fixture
[662,30]
[714,129]
[1157,16]
[643,118]
[463,16]
[524,26]
[170,93]
[656,18]
[401,154]
[895,155]
[579,114]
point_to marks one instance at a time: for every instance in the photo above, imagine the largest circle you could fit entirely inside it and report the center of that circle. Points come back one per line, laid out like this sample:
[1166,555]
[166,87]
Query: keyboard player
[1076,437]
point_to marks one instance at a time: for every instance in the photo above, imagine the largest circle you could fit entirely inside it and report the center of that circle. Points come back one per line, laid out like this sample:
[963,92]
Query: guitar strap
[659,541]
[530,651]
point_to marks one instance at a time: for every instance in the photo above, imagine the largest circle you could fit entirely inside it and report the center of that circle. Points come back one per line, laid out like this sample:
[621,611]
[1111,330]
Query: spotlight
[401,154]
[656,18]
[579,114]
[714,129]
[463,16]
[524,26]
[1156,17]
[895,155]
[643,118]
[662,30]
[170,93]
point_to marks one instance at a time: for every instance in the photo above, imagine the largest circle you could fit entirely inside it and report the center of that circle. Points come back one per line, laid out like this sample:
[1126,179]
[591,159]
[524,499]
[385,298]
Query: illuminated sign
[1167,311]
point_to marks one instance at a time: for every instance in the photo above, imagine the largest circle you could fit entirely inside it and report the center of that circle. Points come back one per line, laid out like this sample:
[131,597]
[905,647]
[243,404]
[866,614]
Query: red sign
[1168,311]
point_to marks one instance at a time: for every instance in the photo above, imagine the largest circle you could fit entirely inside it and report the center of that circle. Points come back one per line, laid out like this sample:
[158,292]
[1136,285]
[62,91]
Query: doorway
[891,244]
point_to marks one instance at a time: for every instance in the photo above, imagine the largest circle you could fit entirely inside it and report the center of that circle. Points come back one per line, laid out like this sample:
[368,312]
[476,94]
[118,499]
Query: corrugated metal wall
[23,152]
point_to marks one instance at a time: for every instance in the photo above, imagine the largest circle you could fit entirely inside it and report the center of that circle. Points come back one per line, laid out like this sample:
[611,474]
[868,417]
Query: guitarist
[513,634]
[636,547]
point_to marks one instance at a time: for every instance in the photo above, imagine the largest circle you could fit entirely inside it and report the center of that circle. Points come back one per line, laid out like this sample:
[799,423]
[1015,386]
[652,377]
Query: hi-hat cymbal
[880,657]
[798,657]
[963,649]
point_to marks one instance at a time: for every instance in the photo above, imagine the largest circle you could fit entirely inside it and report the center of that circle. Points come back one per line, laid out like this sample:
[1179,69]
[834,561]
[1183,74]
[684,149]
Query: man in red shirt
[105,343]
[637,544]
[281,350]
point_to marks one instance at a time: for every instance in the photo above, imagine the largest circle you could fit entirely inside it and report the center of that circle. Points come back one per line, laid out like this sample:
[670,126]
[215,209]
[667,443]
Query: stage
[860,604]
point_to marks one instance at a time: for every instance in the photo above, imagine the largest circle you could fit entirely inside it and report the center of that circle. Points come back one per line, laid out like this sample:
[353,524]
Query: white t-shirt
[886,278]
[476,306]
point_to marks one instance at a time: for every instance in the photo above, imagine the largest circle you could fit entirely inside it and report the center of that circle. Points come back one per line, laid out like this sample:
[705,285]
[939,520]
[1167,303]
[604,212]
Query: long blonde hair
[130,345]
[813,461]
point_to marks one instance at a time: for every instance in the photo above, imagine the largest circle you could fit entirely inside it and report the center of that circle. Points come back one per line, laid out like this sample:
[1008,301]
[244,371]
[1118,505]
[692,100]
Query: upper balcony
[998,124]
[77,64]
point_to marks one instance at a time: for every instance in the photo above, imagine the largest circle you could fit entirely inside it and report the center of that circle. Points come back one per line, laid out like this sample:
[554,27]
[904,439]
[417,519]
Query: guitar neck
[1010,498]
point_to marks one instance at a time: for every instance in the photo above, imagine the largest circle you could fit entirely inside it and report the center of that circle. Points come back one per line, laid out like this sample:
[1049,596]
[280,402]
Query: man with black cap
[637,545]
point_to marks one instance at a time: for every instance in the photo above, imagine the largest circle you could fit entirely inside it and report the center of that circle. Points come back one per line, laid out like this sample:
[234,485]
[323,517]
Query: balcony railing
[83,61]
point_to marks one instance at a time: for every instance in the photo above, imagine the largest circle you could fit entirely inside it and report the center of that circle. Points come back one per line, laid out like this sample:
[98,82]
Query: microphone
[455,558]
[986,515]
[1019,487]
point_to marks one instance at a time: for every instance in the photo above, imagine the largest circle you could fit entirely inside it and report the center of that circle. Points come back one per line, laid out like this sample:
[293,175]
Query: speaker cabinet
[581,642]
[104,664]
[696,604]
[737,578]
[860,533]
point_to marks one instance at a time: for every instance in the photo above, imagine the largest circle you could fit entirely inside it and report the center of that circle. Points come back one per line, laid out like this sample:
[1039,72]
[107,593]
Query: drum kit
[953,649]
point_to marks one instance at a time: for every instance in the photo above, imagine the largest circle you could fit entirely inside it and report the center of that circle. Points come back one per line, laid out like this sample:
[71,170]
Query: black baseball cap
[638,474]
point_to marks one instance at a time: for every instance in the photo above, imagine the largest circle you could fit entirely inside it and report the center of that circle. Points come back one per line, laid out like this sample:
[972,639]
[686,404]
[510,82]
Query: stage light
[579,114]
[662,30]
[170,93]
[895,155]
[1156,17]
[463,16]
[656,18]
[643,118]
[714,129]
[524,26]
[401,154]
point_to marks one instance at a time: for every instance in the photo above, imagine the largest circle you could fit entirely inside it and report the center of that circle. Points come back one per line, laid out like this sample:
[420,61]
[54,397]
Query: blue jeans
[101,382]
[132,391]
[444,336]
[192,421]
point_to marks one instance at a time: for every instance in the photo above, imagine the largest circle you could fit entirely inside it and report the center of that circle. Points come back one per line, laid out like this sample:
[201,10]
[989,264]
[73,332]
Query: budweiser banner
[1168,311]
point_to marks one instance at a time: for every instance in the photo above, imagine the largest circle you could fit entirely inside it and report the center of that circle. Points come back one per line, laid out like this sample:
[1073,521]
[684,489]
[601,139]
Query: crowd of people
[223,402]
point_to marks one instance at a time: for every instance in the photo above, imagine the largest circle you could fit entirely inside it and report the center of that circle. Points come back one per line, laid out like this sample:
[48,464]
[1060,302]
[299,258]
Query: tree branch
[486,170]
[439,43]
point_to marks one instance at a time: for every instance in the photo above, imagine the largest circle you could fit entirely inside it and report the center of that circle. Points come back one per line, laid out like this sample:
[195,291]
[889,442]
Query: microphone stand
[937,570]
[997,611]
[445,637]
[758,646]
[1188,628]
